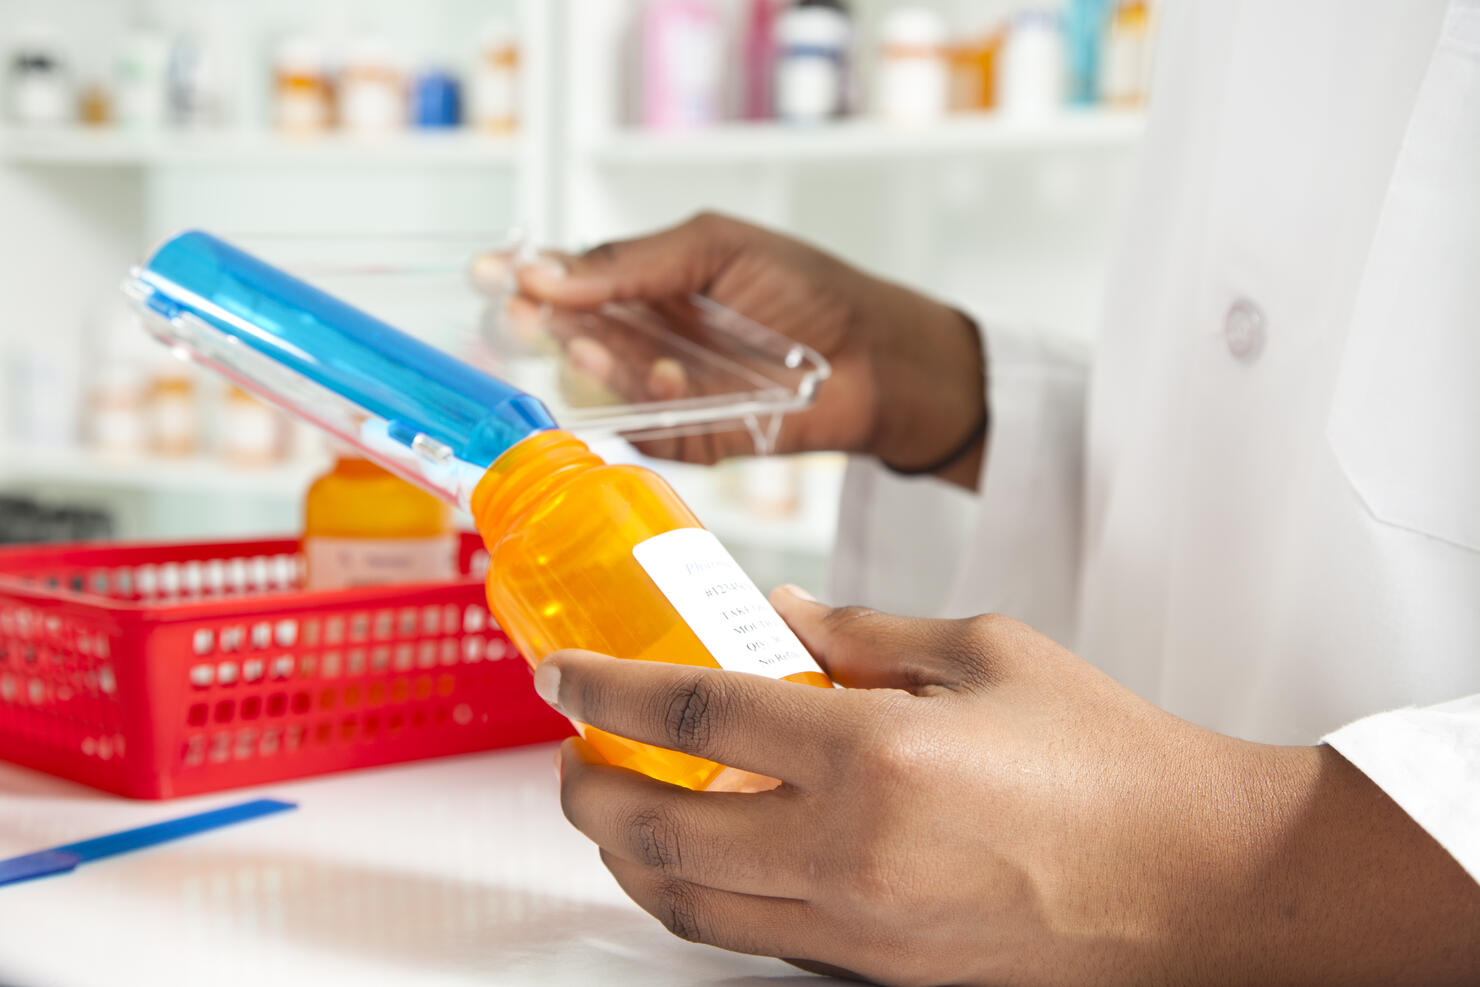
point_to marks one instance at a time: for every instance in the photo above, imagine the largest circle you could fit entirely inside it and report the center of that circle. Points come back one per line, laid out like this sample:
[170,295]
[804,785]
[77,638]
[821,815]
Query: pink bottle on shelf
[683,64]
[760,59]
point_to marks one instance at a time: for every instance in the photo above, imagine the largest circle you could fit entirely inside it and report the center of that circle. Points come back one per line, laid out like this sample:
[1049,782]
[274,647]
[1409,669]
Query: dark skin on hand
[979,805]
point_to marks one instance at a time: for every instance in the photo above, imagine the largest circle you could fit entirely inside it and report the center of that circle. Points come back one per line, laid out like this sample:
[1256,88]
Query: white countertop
[456,871]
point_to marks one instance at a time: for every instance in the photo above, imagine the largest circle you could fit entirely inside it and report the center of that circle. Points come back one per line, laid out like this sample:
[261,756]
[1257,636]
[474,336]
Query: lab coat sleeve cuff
[1428,761]
[919,545]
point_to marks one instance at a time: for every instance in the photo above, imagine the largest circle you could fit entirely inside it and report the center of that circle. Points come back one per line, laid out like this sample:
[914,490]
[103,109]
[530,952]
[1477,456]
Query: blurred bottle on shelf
[95,106]
[493,96]
[42,390]
[1126,60]
[364,526]
[372,92]
[1085,25]
[683,64]
[771,487]
[302,90]
[436,99]
[914,68]
[172,414]
[39,85]
[141,79]
[194,83]
[760,59]
[974,55]
[117,411]
[252,434]
[812,62]
[1031,73]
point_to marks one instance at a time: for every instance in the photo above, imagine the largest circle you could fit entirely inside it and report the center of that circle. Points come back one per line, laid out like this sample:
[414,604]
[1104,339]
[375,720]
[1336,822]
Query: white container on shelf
[372,92]
[141,97]
[914,74]
[41,93]
[1032,73]
[493,97]
[812,64]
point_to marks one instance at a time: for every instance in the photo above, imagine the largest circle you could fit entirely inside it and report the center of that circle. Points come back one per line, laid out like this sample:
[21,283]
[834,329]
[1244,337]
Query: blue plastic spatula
[61,859]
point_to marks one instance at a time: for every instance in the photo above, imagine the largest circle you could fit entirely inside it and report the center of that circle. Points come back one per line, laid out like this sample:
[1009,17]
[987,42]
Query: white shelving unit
[105,147]
[1010,219]
[866,140]
[196,475]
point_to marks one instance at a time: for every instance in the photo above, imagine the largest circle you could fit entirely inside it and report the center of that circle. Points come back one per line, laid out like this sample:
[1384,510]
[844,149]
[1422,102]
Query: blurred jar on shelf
[117,416]
[252,434]
[683,64]
[174,425]
[494,90]
[1031,75]
[302,91]
[812,64]
[436,99]
[141,79]
[914,69]
[372,92]
[1125,75]
[38,82]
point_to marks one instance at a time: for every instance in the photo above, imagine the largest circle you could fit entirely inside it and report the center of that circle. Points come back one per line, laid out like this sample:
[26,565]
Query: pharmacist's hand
[982,807]
[907,380]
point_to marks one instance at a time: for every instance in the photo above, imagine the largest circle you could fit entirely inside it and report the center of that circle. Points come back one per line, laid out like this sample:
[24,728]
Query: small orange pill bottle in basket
[583,554]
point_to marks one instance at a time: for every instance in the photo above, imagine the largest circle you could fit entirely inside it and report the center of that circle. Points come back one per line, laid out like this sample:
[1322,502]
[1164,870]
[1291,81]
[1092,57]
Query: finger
[741,923]
[677,261]
[781,729]
[865,649]
[751,843]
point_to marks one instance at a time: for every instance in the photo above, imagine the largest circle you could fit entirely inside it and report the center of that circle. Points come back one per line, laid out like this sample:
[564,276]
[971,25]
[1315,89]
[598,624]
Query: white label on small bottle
[343,563]
[714,596]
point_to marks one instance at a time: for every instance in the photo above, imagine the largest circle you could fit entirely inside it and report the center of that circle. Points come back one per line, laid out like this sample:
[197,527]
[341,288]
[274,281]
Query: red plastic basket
[156,671]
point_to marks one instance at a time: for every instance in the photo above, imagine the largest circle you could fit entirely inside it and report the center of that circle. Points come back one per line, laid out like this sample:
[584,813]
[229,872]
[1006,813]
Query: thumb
[866,649]
[678,261]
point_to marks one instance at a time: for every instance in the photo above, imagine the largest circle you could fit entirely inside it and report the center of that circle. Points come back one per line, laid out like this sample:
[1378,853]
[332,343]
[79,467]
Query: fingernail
[560,762]
[799,593]
[546,269]
[547,683]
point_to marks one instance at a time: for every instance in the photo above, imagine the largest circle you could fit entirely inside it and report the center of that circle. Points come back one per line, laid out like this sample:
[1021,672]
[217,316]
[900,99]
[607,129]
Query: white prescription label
[721,605]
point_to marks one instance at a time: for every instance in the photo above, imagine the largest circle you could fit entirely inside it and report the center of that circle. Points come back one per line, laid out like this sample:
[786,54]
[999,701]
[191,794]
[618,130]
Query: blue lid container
[411,407]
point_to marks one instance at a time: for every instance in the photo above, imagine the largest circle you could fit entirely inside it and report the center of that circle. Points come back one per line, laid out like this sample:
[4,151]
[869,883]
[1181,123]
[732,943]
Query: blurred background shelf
[81,468]
[858,140]
[77,146]
[1011,216]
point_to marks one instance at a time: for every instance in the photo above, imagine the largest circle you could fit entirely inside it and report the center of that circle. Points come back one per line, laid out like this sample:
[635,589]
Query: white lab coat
[1261,508]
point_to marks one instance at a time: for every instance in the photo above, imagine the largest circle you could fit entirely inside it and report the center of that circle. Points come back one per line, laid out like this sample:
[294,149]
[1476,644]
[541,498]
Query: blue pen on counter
[61,859]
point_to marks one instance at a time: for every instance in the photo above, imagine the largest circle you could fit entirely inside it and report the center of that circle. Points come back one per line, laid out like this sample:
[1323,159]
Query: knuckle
[989,626]
[693,712]
[653,838]
[604,253]
[677,907]
[709,221]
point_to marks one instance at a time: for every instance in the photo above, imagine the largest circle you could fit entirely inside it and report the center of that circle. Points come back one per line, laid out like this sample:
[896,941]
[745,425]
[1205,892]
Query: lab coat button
[1243,329]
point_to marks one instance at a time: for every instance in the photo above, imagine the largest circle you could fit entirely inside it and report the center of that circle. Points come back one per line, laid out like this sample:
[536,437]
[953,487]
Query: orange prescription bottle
[583,554]
[364,526]
[607,558]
